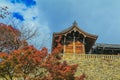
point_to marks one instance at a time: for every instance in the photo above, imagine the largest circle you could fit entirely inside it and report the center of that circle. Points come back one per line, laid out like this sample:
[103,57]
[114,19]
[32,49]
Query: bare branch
[4,12]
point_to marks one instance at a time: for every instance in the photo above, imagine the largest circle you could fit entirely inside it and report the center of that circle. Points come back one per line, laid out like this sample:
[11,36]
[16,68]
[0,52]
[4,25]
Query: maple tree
[29,60]
[21,62]
[9,38]
[30,63]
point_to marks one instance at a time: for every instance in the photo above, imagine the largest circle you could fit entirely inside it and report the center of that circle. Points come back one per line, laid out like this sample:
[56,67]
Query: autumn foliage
[21,62]
[10,38]
[28,63]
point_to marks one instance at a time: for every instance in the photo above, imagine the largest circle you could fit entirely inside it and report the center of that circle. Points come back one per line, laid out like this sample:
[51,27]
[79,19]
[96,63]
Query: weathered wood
[79,48]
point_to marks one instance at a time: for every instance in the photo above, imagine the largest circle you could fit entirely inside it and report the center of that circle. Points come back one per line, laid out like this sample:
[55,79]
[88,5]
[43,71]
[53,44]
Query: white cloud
[43,31]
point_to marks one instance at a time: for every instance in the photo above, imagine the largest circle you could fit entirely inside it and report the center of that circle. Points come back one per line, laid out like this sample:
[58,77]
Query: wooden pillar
[84,40]
[64,50]
[84,44]
[74,45]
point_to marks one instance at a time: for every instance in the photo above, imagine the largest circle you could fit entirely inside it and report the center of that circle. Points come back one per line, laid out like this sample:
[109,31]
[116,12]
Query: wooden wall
[78,46]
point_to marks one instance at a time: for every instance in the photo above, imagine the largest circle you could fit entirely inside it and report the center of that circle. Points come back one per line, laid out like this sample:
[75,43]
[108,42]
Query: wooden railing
[89,56]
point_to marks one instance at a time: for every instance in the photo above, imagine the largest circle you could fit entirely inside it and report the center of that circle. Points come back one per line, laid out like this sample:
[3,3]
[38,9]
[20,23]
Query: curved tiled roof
[75,26]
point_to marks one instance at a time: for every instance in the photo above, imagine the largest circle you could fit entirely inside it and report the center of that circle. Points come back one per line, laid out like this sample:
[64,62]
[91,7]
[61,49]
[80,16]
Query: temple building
[76,41]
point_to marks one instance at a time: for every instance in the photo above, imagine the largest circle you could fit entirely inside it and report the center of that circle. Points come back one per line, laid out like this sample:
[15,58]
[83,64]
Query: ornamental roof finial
[74,23]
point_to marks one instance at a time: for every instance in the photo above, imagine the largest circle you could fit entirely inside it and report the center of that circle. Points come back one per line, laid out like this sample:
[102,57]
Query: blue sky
[100,17]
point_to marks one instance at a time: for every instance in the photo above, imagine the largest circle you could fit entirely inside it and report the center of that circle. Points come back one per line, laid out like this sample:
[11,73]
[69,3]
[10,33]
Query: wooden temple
[74,40]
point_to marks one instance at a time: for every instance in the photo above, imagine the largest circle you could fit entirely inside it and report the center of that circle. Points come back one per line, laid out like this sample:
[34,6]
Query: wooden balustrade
[89,56]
